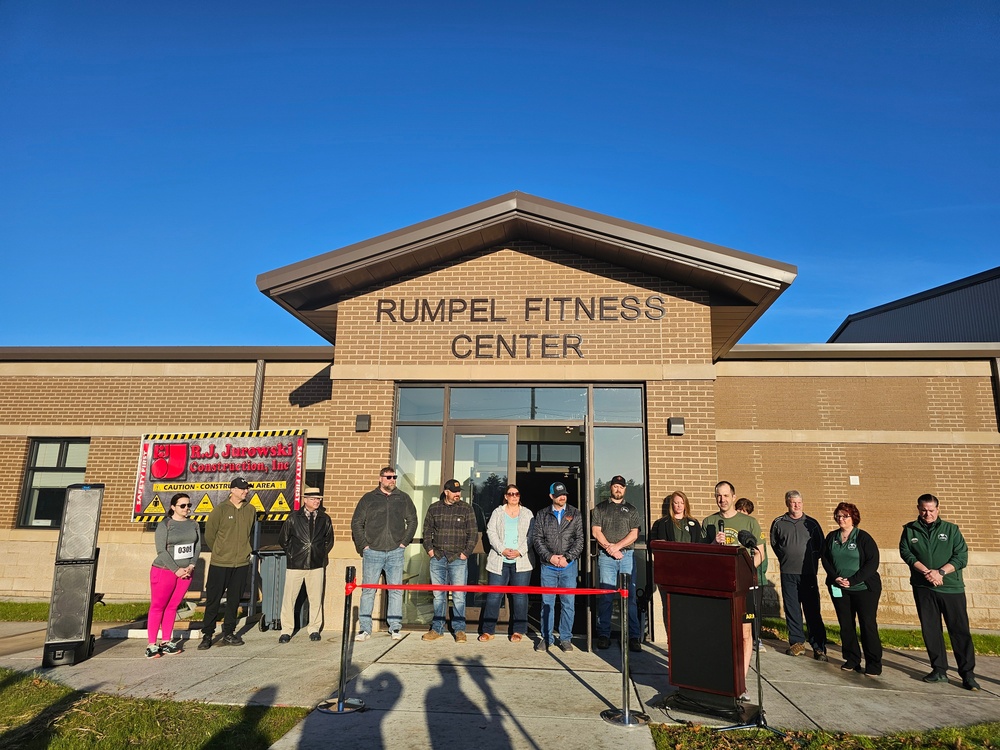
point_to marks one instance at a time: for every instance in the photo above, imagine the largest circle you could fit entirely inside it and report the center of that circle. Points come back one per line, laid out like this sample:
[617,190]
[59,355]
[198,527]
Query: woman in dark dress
[850,558]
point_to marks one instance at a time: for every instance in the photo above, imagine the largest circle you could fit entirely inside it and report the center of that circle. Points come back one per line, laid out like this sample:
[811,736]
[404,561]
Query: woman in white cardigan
[509,563]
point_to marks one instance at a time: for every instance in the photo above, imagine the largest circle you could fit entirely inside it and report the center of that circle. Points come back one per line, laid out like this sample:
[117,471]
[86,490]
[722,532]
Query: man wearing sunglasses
[384,522]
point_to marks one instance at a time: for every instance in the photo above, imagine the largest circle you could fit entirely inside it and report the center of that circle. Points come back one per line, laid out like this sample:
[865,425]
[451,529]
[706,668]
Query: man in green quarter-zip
[936,553]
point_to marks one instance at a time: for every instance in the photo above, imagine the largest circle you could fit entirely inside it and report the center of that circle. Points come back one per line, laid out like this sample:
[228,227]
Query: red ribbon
[486,589]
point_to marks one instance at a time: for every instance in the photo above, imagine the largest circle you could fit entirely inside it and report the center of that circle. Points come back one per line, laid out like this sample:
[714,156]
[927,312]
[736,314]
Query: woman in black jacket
[677,525]
[850,558]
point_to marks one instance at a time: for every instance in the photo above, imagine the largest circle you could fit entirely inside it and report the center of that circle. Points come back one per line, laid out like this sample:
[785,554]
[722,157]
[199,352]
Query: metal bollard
[348,705]
[624,716]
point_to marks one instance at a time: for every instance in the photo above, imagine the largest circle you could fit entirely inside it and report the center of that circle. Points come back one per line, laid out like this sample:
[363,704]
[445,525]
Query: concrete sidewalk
[500,694]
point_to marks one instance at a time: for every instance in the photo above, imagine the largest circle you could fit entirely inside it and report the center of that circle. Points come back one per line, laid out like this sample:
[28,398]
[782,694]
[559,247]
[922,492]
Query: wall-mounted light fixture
[363,423]
[675,425]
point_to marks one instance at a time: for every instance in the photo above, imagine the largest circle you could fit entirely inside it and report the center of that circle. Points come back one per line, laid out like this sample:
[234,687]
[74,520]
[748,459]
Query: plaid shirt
[450,530]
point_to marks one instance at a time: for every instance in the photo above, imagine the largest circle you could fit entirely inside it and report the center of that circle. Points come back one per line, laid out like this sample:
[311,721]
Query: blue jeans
[800,593]
[519,602]
[564,578]
[449,573]
[373,563]
[608,569]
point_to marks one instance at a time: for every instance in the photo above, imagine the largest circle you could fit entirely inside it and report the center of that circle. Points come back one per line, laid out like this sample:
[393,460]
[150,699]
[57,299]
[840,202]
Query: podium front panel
[702,629]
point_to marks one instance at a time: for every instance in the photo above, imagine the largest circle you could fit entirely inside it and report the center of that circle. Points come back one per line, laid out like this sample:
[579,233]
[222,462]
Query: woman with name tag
[178,545]
[850,558]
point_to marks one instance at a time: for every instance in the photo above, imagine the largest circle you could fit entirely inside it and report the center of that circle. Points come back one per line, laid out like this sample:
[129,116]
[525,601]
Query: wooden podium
[706,586]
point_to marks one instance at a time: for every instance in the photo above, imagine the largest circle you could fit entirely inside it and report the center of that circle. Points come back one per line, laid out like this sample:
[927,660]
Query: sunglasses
[181,505]
[513,494]
[388,476]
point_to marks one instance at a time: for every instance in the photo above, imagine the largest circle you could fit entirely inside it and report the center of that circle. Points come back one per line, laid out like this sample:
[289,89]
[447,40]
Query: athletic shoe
[431,635]
[206,642]
[761,648]
[969,682]
[172,647]
[487,637]
[935,676]
[848,667]
[362,636]
[820,656]
[565,646]
[796,649]
[603,642]
[152,651]
[542,646]
[231,640]
[315,637]
[285,638]
[634,644]
[396,635]
[460,637]
[745,697]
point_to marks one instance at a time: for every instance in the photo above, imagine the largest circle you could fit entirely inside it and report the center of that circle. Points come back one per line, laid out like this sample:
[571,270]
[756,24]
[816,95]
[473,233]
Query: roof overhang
[741,286]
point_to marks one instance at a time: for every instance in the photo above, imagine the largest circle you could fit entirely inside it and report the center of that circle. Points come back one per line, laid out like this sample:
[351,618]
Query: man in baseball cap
[559,543]
[615,525]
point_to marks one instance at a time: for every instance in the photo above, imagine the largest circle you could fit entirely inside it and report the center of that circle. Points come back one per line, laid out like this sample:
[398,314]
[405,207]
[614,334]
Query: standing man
[615,525]
[936,552]
[307,538]
[384,522]
[559,544]
[724,528]
[450,536]
[797,541]
[227,533]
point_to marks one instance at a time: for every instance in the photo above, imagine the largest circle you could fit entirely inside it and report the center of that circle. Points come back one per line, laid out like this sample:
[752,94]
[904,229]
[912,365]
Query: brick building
[527,341]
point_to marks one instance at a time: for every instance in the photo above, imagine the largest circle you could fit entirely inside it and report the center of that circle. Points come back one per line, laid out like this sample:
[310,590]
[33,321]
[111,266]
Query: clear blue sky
[156,157]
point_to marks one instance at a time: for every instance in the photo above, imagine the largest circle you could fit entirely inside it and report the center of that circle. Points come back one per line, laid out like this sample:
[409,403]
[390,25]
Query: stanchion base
[350,706]
[617,716]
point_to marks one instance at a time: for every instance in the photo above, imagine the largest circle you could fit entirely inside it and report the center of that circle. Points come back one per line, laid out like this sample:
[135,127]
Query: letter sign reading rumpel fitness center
[511,345]
[202,464]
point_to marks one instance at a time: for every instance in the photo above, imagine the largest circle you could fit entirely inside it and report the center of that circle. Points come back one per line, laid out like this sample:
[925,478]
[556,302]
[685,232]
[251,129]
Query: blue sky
[156,157]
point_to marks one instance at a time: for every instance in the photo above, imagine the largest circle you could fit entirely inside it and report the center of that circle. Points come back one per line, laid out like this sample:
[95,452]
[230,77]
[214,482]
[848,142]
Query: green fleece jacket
[935,545]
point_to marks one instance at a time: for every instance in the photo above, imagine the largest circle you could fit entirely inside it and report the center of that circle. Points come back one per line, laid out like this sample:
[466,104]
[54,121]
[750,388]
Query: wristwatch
[941,572]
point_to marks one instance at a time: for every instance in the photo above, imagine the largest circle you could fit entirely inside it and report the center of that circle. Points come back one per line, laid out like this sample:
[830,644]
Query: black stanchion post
[345,705]
[623,716]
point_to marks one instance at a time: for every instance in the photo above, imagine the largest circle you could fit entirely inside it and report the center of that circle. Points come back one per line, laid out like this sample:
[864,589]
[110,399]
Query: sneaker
[315,637]
[206,642]
[603,642]
[935,676]
[634,644]
[848,667]
[362,636]
[744,697]
[231,640]
[172,647]
[820,656]
[152,651]
[285,638]
[396,635]
[796,649]
[487,637]
[969,682]
[565,646]
[761,648]
[460,637]
[431,635]
[542,646]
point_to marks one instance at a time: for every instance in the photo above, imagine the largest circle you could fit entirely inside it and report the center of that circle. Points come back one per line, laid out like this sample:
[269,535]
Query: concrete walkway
[499,694]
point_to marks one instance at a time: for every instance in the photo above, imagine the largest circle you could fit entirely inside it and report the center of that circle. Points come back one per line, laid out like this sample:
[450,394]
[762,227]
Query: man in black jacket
[307,538]
[558,540]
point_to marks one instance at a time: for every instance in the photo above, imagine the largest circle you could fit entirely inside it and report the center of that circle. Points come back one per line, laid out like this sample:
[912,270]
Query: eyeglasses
[388,476]
[179,505]
[513,494]
[840,517]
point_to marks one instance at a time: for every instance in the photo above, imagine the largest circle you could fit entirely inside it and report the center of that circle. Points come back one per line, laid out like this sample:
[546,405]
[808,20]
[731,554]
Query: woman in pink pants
[178,545]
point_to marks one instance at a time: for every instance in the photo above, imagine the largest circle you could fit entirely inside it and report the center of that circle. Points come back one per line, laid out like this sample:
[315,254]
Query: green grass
[39,612]
[898,638]
[669,737]
[37,714]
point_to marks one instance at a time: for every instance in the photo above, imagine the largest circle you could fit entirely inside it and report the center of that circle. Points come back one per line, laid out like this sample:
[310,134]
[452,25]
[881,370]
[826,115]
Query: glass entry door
[480,461]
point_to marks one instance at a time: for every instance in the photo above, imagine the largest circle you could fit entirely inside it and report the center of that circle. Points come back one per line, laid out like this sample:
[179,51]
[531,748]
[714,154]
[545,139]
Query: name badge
[183,551]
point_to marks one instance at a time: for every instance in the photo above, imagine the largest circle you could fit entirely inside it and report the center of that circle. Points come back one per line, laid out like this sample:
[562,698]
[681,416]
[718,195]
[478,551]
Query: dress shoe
[284,638]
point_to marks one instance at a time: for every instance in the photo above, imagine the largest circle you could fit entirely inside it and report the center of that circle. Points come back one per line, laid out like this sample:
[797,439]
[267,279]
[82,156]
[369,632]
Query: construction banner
[202,464]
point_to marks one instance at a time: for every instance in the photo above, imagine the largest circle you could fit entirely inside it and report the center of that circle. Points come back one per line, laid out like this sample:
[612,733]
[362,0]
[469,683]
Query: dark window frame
[27,511]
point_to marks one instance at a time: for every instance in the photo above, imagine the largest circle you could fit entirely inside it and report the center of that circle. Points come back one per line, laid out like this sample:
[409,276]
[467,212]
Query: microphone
[747,539]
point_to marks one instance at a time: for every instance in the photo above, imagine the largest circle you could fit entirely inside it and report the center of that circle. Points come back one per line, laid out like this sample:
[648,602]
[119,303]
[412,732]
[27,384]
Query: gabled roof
[967,310]
[741,286]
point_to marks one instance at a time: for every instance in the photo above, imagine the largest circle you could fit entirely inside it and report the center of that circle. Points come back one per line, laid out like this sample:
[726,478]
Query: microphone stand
[760,720]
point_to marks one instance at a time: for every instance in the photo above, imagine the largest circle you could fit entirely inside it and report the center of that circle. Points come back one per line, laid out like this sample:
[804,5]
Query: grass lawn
[36,714]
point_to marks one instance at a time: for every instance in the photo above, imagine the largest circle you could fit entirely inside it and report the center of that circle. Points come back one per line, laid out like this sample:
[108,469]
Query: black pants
[228,581]
[800,593]
[931,607]
[862,605]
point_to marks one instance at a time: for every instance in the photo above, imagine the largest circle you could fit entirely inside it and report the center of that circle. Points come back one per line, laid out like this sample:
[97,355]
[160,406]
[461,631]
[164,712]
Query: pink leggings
[166,591]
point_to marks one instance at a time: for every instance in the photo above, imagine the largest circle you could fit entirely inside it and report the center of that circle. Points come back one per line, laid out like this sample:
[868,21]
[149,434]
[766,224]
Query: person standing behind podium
[724,528]
[677,525]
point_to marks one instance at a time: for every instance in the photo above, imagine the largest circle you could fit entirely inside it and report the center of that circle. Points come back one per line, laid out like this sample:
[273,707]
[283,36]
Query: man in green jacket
[936,553]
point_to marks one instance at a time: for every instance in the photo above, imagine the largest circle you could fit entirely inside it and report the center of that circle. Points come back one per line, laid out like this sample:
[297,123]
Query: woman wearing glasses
[850,558]
[508,564]
[178,545]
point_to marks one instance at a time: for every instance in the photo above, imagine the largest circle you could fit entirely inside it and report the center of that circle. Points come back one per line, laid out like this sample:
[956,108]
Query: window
[53,465]
[315,464]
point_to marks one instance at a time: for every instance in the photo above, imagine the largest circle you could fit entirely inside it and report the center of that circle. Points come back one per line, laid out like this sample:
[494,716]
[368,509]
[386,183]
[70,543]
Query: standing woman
[677,525]
[508,564]
[178,545]
[850,558]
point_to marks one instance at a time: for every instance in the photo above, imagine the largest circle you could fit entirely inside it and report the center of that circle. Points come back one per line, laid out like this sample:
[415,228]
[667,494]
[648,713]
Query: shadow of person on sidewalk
[246,733]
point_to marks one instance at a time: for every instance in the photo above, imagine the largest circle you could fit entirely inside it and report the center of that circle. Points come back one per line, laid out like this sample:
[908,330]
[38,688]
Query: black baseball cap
[618,479]
[452,485]
[557,489]
[239,483]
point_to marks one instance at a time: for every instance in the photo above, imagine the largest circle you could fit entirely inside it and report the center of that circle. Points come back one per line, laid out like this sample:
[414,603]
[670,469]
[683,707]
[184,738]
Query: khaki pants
[313,579]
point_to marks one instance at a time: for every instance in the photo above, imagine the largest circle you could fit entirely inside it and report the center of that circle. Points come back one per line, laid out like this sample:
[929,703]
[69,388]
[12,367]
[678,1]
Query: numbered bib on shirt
[183,551]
